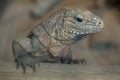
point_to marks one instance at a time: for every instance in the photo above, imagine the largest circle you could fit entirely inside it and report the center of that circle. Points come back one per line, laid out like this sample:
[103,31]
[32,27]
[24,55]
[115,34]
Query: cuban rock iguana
[50,41]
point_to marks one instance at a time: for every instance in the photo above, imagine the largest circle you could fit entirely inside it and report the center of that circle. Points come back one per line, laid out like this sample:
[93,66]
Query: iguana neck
[56,32]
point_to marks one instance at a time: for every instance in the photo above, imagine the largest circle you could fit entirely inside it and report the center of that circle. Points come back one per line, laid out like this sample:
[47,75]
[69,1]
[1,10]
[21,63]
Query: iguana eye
[79,19]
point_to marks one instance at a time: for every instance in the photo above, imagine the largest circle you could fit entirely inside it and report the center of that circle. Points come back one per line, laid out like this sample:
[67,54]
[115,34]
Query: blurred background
[18,17]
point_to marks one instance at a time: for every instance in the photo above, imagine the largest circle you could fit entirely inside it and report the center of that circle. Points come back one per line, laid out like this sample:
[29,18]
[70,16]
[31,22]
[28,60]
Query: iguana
[50,41]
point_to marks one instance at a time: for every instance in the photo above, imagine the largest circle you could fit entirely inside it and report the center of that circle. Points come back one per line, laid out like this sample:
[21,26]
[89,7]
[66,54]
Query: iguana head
[77,24]
[70,24]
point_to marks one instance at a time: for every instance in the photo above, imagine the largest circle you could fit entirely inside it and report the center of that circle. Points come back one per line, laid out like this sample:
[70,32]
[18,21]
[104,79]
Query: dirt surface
[60,72]
[16,22]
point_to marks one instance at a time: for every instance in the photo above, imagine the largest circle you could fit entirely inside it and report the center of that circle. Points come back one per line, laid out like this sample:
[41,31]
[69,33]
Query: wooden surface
[60,72]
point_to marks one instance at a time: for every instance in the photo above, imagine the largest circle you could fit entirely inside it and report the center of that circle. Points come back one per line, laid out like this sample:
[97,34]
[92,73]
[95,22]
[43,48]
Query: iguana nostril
[101,24]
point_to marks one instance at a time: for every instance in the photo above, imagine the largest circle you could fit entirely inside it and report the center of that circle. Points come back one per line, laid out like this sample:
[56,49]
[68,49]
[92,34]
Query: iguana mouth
[78,37]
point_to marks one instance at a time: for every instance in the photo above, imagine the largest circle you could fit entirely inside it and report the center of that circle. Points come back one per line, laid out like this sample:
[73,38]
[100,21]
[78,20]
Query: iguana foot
[25,60]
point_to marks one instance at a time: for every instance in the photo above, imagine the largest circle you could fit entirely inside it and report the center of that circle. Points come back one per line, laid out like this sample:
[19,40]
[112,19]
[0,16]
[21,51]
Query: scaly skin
[51,40]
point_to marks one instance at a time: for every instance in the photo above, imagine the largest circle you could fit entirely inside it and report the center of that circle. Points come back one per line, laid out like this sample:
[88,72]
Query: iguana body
[50,41]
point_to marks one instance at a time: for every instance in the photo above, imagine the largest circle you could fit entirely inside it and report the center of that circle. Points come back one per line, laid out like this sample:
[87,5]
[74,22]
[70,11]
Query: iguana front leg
[24,51]
[23,58]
